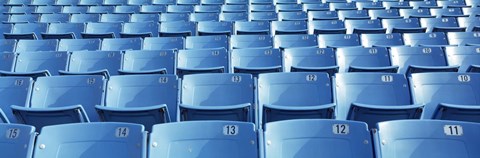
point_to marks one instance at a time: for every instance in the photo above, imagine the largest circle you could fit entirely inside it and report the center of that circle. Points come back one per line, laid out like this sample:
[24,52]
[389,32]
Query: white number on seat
[230,130]
[342,129]
[464,78]
[13,133]
[122,132]
[453,130]
[387,78]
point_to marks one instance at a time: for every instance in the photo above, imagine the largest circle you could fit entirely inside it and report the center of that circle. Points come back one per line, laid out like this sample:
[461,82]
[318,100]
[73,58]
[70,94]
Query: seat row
[156,99]
[219,139]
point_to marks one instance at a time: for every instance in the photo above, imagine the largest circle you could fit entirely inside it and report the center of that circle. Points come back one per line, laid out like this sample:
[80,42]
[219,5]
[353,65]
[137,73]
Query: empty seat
[208,28]
[369,5]
[18,2]
[293,16]
[470,23]
[420,59]
[381,40]
[396,5]
[23,11]
[178,29]
[180,9]
[204,17]
[233,17]
[216,139]
[164,2]
[84,18]
[298,95]
[202,61]
[79,45]
[425,39]
[230,8]
[353,15]
[163,43]
[289,27]
[7,61]
[74,9]
[206,42]
[92,140]
[34,64]
[327,27]
[467,57]
[121,44]
[101,9]
[441,24]
[48,9]
[251,41]
[288,8]
[256,28]
[115,18]
[140,29]
[155,9]
[145,17]
[447,12]
[66,2]
[236,2]
[310,59]
[262,7]
[342,5]
[188,2]
[102,30]
[322,15]
[463,38]
[304,138]
[385,14]
[62,99]
[139,2]
[416,13]
[141,99]
[15,91]
[5,28]
[260,2]
[104,63]
[423,4]
[263,16]
[149,61]
[90,2]
[338,40]
[200,101]
[23,18]
[314,5]
[374,97]
[256,61]
[435,91]
[115,2]
[26,31]
[411,25]
[364,27]
[426,138]
[291,41]
[54,18]
[64,31]
[18,140]
[36,45]
[7,45]
[170,17]
[214,6]
[126,9]
[354,59]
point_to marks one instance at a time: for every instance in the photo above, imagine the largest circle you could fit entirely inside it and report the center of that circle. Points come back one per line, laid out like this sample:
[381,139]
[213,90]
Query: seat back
[17,90]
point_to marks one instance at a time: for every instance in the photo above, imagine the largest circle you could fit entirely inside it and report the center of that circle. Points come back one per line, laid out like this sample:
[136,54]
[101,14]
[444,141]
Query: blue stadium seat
[115,18]
[121,44]
[79,45]
[261,2]
[115,2]
[237,8]
[180,8]
[84,18]
[200,101]
[292,16]
[314,5]
[101,9]
[426,138]
[7,45]
[5,28]
[326,27]
[338,40]
[411,25]
[102,30]
[42,2]
[448,24]
[267,7]
[26,31]
[288,27]
[171,17]
[416,13]
[139,2]
[178,29]
[436,90]
[188,2]
[288,8]
[396,5]
[452,4]
[7,61]
[367,5]
[18,2]
[250,41]
[341,5]
[164,2]
[353,15]
[36,45]
[374,97]
[385,14]
[61,100]
[236,2]
[425,39]
[291,41]
[16,91]
[152,9]
[310,59]
[206,42]
[263,16]
[90,2]
[358,59]
[22,10]
[35,64]
[202,61]
[216,139]
[381,40]
[163,43]
[420,59]
[149,62]
[145,17]
[471,23]
[463,38]
[276,2]
[125,9]
[256,61]
[18,140]
[233,17]
[467,57]
[92,140]
[204,17]
[104,63]
[140,29]
[3,118]
[48,10]
[305,138]
[64,31]
[208,28]
[64,3]
[322,15]
[296,95]
[54,18]
[23,18]
[141,99]
[75,10]
[209,8]
[364,27]
[423,4]
[253,27]
[448,12]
